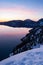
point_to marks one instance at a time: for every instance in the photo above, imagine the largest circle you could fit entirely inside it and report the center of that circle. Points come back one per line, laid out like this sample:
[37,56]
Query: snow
[30,57]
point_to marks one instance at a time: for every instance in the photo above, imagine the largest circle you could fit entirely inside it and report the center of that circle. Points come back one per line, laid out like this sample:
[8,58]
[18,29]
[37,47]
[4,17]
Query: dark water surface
[9,38]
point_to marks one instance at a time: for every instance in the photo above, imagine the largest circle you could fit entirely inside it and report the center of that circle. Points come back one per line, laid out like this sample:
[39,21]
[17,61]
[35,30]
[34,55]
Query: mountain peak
[28,20]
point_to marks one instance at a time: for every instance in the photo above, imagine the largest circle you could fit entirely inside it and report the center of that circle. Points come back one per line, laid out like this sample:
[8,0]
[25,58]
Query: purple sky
[21,9]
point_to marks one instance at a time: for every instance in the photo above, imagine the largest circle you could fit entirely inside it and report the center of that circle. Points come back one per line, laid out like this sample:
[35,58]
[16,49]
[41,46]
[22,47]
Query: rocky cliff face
[32,40]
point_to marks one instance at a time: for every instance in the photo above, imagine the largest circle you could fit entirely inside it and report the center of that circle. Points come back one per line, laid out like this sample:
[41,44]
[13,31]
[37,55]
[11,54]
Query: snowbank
[30,57]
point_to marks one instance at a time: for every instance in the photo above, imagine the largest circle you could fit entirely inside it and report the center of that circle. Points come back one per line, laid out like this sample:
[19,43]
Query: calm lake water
[9,38]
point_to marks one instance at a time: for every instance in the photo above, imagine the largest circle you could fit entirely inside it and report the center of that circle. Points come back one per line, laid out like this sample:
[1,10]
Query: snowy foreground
[32,57]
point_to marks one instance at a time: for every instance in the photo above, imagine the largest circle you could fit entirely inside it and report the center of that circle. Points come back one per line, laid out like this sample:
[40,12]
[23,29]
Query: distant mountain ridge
[25,23]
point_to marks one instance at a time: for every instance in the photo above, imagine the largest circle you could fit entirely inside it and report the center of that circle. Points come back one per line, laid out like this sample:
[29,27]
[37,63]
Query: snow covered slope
[32,57]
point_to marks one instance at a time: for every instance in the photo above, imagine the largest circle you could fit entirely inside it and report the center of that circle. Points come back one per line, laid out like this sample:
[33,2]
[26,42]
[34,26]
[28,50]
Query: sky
[21,9]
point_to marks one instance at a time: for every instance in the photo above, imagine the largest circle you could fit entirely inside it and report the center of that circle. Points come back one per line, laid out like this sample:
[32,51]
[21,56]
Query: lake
[9,38]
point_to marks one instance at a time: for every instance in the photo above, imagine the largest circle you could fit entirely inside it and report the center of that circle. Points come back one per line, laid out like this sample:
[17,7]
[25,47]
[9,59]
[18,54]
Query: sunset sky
[21,9]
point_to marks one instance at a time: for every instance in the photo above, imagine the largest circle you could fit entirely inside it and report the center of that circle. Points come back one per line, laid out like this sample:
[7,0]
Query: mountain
[25,23]
[30,23]
[32,40]
[32,57]
[40,22]
[20,23]
[41,19]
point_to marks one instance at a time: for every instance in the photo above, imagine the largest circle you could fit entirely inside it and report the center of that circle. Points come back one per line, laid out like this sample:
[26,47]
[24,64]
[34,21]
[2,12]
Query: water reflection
[9,38]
